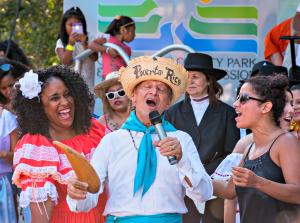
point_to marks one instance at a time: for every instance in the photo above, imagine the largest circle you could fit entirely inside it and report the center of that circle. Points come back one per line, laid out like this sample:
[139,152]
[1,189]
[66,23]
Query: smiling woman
[58,111]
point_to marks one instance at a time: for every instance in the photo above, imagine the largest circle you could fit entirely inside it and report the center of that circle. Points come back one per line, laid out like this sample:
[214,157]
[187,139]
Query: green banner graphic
[147,27]
[228,12]
[127,10]
[222,28]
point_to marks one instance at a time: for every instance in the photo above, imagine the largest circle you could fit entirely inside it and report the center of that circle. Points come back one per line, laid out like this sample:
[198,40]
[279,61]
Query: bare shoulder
[243,143]
[288,141]
[102,120]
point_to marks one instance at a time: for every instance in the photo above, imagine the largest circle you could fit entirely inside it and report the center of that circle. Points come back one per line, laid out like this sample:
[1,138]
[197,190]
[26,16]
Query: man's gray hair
[170,90]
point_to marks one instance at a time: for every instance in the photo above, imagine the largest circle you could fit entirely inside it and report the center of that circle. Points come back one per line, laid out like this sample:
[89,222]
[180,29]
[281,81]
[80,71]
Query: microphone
[156,121]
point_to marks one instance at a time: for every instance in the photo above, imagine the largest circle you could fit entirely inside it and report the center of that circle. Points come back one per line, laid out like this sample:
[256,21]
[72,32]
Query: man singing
[132,164]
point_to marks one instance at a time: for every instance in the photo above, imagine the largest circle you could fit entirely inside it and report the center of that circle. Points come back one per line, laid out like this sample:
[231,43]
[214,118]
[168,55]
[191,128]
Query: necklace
[132,139]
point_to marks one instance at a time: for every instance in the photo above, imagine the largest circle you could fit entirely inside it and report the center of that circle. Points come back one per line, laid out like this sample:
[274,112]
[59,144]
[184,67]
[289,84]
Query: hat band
[170,76]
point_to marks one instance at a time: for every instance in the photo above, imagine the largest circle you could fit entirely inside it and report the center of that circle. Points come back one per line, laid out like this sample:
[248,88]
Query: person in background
[70,44]
[265,182]
[274,46]
[15,53]
[116,105]
[53,105]
[295,25]
[120,30]
[10,72]
[209,122]
[223,172]
[296,93]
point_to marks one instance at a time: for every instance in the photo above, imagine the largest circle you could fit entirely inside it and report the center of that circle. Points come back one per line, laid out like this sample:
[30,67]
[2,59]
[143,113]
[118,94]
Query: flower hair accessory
[118,17]
[30,85]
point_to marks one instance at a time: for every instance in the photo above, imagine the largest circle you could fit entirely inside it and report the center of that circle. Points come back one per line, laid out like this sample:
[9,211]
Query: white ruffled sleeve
[223,171]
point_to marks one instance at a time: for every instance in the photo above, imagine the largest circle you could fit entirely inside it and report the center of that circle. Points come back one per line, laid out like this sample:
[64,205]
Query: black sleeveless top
[255,205]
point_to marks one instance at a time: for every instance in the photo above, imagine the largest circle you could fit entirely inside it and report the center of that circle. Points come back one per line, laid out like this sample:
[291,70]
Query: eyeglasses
[112,95]
[244,97]
[5,67]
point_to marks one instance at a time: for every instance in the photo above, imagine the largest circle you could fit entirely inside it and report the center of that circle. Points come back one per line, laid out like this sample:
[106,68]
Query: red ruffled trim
[82,143]
[222,175]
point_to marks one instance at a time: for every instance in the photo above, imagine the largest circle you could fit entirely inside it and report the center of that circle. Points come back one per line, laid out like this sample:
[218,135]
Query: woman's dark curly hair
[30,113]
[272,89]
[16,70]
[15,52]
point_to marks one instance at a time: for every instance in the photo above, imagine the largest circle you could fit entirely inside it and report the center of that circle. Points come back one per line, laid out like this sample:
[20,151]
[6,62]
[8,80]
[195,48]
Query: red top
[107,129]
[110,64]
[273,43]
[42,170]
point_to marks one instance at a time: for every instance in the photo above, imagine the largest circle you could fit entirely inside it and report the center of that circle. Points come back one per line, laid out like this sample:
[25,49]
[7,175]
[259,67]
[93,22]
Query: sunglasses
[111,95]
[5,67]
[244,97]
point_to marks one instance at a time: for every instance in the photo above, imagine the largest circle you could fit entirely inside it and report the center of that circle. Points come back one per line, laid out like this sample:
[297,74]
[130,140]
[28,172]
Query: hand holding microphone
[168,146]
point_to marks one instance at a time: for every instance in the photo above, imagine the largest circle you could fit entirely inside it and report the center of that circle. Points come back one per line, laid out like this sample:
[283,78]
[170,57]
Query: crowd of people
[218,176]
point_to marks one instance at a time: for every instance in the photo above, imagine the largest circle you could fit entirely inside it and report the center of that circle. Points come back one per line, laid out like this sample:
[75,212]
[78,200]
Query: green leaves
[36,29]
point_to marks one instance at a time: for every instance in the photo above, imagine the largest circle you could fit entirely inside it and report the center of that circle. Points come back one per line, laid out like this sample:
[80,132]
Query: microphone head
[155,117]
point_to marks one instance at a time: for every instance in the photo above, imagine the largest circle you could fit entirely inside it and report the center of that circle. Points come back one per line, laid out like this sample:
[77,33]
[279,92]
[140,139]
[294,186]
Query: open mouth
[118,102]
[151,103]
[288,119]
[239,113]
[65,113]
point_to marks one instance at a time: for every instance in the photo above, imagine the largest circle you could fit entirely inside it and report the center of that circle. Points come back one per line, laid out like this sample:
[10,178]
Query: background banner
[232,32]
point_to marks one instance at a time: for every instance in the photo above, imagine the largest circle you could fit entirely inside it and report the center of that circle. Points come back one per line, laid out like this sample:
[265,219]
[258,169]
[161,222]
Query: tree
[36,29]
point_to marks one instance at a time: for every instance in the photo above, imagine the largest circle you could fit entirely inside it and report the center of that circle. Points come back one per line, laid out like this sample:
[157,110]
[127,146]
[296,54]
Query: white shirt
[87,70]
[199,108]
[115,161]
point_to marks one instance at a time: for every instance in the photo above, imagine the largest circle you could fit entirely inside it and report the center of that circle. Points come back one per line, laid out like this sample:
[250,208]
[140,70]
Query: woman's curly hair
[30,113]
[272,89]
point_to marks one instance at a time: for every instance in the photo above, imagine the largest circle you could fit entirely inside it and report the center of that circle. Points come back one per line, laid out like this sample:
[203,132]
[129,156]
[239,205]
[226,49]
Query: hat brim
[101,88]
[217,73]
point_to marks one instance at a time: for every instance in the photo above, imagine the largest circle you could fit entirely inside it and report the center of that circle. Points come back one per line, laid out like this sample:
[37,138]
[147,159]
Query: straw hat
[145,68]
[101,88]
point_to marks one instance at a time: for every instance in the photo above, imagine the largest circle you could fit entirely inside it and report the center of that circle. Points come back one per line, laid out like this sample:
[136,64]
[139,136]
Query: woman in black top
[267,181]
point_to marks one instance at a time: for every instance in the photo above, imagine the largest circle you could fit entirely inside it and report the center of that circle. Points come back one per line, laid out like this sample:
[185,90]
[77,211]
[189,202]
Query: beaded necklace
[132,139]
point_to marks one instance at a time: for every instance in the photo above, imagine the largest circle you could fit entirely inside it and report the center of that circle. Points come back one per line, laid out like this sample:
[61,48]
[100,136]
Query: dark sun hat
[257,66]
[203,63]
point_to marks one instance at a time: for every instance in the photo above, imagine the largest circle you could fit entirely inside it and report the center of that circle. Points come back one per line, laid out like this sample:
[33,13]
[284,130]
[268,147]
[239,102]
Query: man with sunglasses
[132,164]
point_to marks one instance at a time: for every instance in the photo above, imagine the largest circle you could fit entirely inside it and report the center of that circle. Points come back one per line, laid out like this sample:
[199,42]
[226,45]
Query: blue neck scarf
[147,160]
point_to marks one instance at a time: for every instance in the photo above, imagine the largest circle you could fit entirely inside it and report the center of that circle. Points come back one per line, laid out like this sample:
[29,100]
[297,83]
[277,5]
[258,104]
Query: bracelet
[70,47]
[107,50]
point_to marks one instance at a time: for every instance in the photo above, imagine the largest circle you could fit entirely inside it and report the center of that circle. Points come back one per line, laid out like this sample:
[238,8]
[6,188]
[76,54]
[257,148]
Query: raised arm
[226,189]
[286,154]
[97,45]
[78,198]
[65,55]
